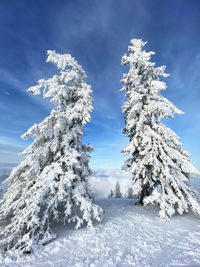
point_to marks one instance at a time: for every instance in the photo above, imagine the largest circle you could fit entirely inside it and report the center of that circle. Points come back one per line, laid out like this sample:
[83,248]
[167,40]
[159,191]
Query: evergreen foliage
[117,193]
[111,194]
[56,167]
[129,193]
[160,166]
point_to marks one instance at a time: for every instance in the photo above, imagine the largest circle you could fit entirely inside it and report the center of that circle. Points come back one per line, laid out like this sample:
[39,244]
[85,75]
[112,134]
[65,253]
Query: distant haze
[103,180]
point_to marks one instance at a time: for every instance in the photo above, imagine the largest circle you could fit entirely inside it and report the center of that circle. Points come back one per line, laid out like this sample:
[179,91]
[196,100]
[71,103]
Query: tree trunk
[146,191]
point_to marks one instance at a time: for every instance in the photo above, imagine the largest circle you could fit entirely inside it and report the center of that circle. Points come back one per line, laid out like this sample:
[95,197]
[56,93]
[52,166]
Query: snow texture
[160,166]
[128,236]
[56,165]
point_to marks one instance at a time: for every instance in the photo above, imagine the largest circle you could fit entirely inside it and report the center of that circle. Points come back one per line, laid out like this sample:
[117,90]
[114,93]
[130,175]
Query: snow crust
[129,236]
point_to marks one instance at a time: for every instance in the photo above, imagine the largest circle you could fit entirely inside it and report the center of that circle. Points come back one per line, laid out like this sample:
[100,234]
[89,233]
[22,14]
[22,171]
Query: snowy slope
[129,236]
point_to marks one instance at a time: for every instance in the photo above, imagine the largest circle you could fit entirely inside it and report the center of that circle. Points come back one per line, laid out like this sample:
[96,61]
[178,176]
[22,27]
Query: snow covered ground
[128,236]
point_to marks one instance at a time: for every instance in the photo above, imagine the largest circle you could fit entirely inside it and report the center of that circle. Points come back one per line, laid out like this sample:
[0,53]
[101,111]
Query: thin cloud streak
[9,155]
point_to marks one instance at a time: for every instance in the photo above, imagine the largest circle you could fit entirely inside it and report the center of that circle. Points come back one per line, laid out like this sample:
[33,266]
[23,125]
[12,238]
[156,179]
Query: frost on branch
[160,166]
[56,165]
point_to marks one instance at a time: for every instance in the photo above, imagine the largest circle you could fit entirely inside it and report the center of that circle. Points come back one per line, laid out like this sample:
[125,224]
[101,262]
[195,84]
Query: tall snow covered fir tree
[160,166]
[56,165]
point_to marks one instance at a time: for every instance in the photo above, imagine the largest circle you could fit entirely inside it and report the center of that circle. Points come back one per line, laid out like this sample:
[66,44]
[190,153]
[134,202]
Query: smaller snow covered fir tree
[56,165]
[117,192]
[160,166]
[129,193]
[111,194]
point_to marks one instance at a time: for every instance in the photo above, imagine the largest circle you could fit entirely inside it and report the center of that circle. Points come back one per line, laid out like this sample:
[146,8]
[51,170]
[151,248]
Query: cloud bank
[103,180]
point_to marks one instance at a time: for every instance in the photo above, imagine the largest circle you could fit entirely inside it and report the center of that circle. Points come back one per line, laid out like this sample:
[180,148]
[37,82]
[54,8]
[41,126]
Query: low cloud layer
[103,180]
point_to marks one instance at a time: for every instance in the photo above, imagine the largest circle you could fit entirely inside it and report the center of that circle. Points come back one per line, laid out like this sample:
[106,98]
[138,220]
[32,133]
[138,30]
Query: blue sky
[97,34]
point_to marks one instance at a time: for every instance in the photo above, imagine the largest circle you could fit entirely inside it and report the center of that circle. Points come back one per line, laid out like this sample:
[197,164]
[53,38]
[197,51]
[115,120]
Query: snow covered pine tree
[129,193]
[160,166]
[111,194]
[56,167]
[117,193]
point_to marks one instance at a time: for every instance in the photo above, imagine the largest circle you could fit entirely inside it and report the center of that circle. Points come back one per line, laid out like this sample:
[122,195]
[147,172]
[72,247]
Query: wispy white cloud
[21,84]
[9,154]
[9,78]
[103,180]
[5,92]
